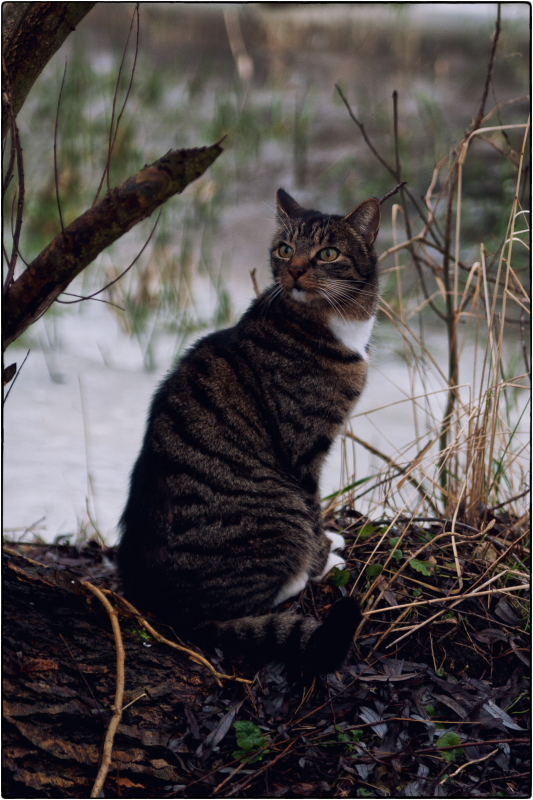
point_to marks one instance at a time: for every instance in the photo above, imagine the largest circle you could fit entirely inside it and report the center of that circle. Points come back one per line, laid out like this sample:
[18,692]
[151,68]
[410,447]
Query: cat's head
[326,261]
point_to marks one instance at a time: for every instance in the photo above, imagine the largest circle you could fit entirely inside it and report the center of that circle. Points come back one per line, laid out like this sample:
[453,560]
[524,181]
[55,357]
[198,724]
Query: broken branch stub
[32,293]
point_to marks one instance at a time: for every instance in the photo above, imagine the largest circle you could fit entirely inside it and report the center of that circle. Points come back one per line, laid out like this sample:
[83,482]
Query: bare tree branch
[28,297]
[31,34]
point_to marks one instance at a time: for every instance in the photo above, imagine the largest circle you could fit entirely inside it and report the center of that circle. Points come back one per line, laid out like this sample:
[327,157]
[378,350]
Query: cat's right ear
[286,203]
[365,219]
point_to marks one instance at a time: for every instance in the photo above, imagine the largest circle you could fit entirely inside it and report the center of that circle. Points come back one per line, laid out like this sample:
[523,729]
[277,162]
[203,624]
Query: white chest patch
[354,334]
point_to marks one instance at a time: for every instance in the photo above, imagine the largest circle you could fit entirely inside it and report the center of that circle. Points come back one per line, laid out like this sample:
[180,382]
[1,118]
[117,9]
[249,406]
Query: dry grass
[445,534]
[471,446]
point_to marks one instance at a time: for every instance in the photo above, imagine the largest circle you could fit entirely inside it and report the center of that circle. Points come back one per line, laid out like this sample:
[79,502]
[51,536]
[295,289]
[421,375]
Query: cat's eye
[285,251]
[328,254]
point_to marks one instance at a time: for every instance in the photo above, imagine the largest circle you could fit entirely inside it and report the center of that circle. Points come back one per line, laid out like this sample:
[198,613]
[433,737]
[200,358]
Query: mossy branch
[28,297]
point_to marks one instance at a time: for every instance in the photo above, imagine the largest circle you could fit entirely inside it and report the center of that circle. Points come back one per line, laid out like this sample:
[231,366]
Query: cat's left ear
[286,203]
[365,220]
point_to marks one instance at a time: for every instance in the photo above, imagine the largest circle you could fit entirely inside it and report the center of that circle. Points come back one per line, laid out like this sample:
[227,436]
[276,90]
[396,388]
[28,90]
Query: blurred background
[262,75]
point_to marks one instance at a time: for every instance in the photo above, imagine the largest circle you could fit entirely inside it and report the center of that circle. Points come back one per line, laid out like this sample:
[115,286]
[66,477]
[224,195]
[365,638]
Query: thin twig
[113,129]
[396,136]
[241,786]
[524,341]
[391,193]
[467,764]
[402,470]
[469,744]
[119,692]
[159,638]
[490,66]
[16,376]
[121,112]
[115,280]
[55,149]
[81,297]
[139,697]
[511,500]
[402,245]
[9,171]
[365,135]
[20,203]
[253,755]
[454,598]
[84,679]
[253,276]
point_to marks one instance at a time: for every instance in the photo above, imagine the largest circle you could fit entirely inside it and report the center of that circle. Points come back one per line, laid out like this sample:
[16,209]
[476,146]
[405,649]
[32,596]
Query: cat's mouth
[300,294]
[297,290]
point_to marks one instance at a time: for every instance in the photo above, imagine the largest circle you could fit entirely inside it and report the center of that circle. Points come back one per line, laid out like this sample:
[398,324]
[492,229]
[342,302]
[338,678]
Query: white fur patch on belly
[354,334]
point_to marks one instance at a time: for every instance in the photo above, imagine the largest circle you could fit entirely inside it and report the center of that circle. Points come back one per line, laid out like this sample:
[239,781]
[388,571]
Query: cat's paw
[293,587]
[334,560]
[337,541]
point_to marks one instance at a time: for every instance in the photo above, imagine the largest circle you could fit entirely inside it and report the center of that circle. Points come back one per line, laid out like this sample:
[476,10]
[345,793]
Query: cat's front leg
[337,541]
[331,542]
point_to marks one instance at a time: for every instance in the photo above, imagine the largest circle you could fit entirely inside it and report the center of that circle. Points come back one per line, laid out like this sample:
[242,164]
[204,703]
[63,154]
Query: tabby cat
[223,520]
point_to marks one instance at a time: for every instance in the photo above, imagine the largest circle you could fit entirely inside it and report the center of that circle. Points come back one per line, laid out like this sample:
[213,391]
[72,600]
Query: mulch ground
[433,700]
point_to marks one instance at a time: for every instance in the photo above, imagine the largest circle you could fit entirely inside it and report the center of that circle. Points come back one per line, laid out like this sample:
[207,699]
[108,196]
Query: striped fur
[223,519]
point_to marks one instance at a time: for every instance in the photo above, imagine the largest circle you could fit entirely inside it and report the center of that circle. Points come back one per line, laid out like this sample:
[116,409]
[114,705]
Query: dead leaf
[504,611]
[486,552]
[129,784]
[39,665]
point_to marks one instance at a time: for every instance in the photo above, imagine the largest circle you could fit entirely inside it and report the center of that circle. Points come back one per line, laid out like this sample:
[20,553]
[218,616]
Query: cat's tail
[289,637]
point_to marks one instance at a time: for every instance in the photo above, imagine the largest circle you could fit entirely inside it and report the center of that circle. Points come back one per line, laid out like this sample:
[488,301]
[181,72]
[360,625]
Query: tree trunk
[59,685]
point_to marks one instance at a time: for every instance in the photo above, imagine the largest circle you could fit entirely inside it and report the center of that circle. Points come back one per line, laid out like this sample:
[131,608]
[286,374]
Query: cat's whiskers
[348,299]
[340,294]
[283,222]
[268,301]
[345,284]
[333,304]
[338,289]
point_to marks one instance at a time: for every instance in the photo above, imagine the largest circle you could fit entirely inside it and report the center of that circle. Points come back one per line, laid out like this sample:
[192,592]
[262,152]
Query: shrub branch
[48,275]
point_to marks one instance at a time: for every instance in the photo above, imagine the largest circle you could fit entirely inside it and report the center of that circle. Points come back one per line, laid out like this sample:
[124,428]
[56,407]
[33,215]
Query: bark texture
[59,685]
[31,34]
[71,251]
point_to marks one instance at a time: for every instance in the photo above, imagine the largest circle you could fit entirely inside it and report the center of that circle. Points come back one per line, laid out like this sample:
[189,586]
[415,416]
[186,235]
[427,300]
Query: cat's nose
[297,271]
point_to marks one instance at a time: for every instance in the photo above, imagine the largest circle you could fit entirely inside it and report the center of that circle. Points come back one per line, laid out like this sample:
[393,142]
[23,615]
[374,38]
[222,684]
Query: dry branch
[31,34]
[119,692]
[28,297]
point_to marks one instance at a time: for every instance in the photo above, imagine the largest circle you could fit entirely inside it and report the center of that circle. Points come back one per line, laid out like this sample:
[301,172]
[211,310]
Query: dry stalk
[411,629]
[119,692]
[199,659]
[467,764]
[503,590]
[253,276]
[405,471]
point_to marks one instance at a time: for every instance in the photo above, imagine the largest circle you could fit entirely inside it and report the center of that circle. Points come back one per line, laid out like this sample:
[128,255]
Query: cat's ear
[365,219]
[286,203]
